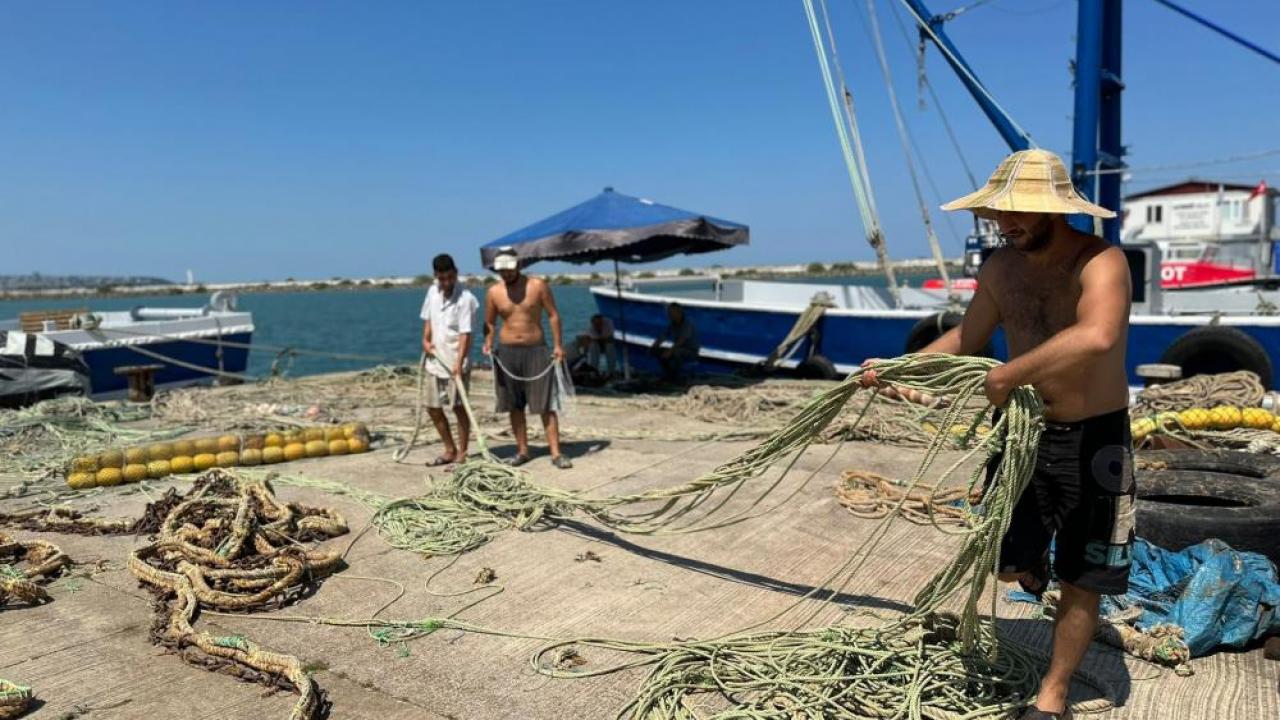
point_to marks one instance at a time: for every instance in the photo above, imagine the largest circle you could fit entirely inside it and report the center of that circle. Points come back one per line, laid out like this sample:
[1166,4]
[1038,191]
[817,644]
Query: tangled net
[37,441]
[229,544]
[1241,389]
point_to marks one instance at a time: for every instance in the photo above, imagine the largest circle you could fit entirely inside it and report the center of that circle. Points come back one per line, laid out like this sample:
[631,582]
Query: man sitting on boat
[683,349]
[448,315]
[1062,297]
[523,372]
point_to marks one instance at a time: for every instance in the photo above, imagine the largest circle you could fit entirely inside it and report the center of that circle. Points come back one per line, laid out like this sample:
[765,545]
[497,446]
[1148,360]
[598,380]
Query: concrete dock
[88,654]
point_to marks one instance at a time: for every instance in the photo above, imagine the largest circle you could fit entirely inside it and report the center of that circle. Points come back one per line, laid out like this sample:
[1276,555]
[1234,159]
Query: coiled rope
[1241,389]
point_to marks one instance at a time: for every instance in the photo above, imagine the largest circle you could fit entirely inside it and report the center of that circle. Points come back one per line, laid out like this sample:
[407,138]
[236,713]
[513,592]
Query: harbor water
[380,324]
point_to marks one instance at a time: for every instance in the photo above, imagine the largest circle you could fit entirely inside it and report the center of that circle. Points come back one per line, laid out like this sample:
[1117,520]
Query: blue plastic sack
[1220,597]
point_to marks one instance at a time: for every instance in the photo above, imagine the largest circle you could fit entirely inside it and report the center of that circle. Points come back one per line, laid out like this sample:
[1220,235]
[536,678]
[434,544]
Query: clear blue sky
[253,140]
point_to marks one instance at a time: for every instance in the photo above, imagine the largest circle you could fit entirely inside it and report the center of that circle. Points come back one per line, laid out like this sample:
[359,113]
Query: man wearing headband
[523,373]
[1062,297]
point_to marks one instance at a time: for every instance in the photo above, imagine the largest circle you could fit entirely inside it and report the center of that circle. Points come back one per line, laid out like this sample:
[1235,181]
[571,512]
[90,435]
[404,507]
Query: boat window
[1155,213]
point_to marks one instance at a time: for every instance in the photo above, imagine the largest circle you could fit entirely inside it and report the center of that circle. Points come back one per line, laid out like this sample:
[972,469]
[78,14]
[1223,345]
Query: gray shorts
[523,361]
[441,392]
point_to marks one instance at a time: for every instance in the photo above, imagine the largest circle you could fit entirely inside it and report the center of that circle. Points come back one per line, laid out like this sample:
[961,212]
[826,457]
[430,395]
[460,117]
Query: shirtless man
[1062,297]
[523,373]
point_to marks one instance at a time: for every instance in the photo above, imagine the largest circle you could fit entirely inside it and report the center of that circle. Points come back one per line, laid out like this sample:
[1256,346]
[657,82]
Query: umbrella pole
[622,322]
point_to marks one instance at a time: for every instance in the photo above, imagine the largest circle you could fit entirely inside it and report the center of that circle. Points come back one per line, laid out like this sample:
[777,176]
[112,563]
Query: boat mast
[1097,156]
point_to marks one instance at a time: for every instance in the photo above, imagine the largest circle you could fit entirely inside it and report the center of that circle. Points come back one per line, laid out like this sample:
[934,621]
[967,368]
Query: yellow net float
[180,457]
[1257,418]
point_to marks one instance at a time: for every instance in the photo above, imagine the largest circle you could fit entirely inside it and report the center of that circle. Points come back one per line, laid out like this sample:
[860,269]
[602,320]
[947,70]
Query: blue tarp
[1220,597]
[614,226]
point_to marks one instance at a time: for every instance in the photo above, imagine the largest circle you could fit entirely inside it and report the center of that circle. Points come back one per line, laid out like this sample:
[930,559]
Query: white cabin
[1199,211]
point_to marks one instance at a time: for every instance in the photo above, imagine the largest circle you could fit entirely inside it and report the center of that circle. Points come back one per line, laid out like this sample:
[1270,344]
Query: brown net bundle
[229,544]
[873,496]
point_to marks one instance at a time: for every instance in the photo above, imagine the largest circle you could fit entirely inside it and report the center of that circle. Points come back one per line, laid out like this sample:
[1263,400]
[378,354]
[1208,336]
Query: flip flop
[441,461]
[517,460]
[562,462]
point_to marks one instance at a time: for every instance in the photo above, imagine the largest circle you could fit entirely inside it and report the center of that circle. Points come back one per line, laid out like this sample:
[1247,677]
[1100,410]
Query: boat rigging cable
[961,67]
[1222,31]
[855,162]
[934,246]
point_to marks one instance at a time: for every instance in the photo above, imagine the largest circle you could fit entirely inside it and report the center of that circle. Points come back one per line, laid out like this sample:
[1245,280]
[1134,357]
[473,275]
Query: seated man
[596,340]
[683,336]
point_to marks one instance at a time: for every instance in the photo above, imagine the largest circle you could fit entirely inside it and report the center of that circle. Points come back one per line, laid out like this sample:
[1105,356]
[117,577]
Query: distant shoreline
[909,268]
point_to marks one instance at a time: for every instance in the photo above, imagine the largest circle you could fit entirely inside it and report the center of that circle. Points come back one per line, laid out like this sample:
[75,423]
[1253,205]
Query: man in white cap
[1062,297]
[523,373]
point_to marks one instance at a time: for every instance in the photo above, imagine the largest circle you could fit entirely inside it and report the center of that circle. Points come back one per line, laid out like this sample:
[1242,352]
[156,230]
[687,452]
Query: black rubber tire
[1186,496]
[1218,349]
[817,367]
[931,328]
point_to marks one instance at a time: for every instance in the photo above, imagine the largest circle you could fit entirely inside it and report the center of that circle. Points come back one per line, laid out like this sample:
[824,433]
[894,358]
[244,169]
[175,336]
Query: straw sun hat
[1029,181]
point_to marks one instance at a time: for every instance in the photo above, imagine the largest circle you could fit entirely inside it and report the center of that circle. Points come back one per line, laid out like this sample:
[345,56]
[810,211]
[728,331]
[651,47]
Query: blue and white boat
[741,322]
[190,345]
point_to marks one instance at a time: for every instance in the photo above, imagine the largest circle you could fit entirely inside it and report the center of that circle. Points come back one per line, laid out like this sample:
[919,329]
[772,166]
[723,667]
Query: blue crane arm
[1016,139]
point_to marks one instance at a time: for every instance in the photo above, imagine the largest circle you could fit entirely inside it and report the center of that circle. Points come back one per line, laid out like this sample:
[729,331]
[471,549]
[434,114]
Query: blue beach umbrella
[621,228]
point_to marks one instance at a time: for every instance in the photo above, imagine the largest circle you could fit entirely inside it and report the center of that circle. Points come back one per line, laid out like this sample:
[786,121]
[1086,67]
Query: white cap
[506,260]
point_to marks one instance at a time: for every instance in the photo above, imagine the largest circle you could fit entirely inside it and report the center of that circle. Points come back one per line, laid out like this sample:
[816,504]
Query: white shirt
[450,318]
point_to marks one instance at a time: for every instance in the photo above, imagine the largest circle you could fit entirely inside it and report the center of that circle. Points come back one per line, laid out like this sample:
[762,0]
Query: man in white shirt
[448,315]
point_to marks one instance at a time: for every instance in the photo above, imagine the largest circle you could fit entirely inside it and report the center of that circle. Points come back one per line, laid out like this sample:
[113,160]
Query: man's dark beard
[1038,238]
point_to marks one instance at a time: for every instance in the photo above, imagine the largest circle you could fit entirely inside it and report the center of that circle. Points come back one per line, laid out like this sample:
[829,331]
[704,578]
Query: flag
[1260,190]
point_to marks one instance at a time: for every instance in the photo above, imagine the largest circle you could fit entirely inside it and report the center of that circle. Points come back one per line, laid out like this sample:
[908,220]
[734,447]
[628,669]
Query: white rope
[959,65]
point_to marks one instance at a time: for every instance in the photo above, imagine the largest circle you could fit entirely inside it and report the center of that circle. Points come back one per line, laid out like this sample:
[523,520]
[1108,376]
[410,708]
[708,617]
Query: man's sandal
[562,462]
[441,461]
[517,460]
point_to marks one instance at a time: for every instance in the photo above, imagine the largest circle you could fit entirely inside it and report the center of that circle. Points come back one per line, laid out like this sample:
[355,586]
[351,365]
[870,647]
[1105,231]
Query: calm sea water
[380,323]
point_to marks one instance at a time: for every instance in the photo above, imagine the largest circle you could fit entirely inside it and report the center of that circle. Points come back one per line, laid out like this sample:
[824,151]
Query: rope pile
[229,544]
[871,496]
[1239,389]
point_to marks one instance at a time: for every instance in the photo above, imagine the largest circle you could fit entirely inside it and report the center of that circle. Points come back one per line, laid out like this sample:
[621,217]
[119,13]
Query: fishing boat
[1202,328]
[174,346]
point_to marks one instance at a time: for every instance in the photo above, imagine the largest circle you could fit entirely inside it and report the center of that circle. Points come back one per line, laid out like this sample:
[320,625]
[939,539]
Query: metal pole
[1084,153]
[622,321]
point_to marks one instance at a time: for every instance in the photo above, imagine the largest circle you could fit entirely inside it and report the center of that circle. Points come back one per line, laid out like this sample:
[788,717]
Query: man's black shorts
[1081,493]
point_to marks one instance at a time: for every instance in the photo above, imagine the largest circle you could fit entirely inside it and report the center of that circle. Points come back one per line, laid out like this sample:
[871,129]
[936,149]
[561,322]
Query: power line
[1230,159]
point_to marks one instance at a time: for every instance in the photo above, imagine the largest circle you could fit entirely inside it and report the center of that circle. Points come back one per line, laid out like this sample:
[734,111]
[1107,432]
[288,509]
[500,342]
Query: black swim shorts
[1081,497]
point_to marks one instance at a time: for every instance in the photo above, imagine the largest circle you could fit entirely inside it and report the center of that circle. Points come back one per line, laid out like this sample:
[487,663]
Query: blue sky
[254,140]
